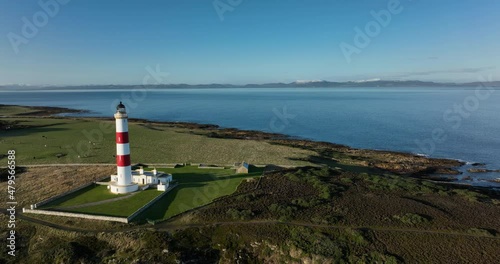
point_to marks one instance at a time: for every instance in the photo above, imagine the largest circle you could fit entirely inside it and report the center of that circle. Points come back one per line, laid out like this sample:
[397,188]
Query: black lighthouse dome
[120,106]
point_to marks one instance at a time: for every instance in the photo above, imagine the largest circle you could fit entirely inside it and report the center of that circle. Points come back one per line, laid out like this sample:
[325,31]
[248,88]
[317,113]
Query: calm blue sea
[458,123]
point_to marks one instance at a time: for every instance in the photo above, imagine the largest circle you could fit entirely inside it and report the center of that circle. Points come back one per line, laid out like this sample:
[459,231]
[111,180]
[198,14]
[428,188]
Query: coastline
[380,160]
[442,170]
[45,110]
[385,197]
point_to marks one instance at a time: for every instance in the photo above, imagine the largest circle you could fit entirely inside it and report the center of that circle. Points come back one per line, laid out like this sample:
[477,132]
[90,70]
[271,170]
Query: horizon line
[305,82]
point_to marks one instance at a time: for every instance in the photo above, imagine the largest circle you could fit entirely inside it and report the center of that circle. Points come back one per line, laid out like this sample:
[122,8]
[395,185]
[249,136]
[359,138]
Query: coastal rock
[395,162]
[441,178]
[467,178]
[330,154]
[448,171]
[481,170]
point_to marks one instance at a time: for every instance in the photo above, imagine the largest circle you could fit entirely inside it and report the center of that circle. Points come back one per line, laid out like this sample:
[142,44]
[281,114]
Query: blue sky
[258,41]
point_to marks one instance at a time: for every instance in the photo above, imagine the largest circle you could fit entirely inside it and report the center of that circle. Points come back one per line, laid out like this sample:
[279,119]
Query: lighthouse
[122,181]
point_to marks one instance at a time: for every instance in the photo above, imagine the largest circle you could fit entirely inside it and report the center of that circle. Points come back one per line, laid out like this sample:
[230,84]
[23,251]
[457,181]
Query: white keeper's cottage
[153,177]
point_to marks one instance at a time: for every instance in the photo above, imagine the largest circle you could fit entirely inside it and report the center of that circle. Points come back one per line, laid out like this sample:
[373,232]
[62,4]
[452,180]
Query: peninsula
[303,201]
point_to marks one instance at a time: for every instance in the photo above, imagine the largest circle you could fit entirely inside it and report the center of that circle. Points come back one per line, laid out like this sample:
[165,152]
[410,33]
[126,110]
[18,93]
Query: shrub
[284,212]
[355,236]
[239,214]
[306,203]
[346,180]
[480,232]
[412,219]
[469,195]
[374,257]
[315,243]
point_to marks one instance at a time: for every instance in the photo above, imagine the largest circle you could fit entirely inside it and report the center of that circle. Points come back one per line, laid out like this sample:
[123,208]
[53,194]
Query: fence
[85,216]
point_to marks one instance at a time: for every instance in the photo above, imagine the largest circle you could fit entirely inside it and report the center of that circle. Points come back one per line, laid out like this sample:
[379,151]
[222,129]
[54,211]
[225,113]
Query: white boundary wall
[125,220]
[86,216]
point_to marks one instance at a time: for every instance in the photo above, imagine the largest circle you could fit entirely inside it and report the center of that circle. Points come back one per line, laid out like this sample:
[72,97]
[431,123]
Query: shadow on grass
[199,197]
[90,194]
[200,191]
[65,198]
[159,209]
[318,160]
[4,172]
[32,129]
[255,170]
[184,178]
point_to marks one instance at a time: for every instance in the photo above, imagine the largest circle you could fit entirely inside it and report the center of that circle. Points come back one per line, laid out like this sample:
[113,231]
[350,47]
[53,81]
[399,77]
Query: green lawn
[121,208]
[90,194]
[197,187]
[93,141]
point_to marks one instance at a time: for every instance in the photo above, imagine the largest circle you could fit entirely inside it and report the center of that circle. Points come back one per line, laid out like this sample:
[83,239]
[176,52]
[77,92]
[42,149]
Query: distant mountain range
[297,84]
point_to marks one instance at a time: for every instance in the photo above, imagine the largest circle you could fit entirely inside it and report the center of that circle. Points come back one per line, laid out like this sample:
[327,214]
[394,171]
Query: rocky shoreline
[327,153]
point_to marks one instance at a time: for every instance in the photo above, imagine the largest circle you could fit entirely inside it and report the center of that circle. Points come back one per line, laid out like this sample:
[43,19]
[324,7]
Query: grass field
[90,194]
[121,208]
[197,187]
[13,110]
[93,141]
[41,183]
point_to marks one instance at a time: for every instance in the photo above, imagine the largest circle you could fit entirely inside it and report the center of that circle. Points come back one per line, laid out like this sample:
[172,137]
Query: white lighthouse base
[119,189]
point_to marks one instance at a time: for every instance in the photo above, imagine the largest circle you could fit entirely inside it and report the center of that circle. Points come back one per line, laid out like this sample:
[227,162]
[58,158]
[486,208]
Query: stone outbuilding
[243,168]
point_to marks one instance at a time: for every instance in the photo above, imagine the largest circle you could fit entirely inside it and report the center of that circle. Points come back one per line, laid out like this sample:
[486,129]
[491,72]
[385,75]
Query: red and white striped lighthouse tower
[123,183]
